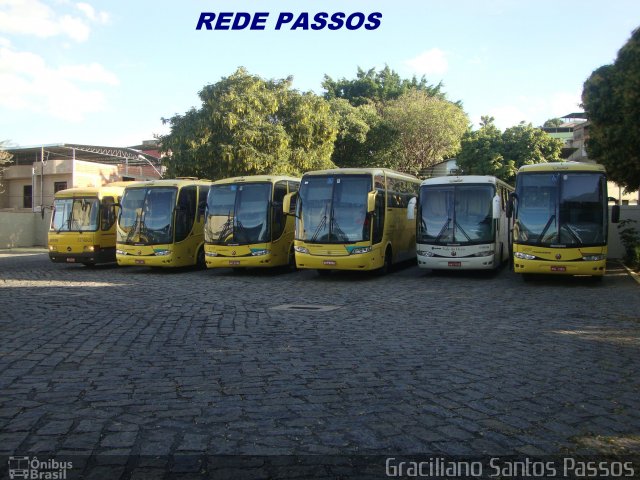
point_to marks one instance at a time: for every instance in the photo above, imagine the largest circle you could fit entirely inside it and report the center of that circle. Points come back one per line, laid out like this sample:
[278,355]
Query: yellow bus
[246,226]
[161,223]
[354,219]
[83,224]
[560,219]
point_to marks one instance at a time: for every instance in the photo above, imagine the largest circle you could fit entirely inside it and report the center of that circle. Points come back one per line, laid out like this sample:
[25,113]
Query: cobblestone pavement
[133,361]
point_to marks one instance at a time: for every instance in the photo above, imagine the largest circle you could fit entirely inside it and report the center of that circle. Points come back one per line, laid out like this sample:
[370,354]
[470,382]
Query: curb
[634,275]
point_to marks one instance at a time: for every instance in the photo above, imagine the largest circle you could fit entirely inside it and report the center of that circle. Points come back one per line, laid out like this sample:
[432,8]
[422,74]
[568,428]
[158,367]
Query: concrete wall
[23,229]
[616,250]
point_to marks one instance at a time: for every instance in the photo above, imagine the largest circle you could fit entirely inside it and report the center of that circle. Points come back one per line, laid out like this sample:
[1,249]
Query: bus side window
[186,212]
[279,191]
[108,216]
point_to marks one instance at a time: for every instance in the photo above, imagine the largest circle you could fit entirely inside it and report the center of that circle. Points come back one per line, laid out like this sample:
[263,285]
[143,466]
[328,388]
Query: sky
[105,72]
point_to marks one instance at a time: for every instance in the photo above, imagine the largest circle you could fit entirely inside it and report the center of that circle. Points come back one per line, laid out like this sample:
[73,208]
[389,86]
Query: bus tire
[291,262]
[387,266]
[201,263]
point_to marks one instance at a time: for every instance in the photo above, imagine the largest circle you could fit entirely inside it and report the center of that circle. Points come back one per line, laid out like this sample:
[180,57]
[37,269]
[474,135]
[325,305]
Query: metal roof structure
[86,153]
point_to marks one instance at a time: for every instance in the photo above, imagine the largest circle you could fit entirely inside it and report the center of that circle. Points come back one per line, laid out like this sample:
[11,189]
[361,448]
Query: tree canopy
[428,129]
[611,99]
[5,157]
[246,126]
[385,136]
[377,87]
[553,122]
[487,151]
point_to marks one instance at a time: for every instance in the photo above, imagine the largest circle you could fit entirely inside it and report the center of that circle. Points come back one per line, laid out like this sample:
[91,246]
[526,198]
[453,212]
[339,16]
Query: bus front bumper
[102,255]
[548,267]
[454,263]
[249,261]
[365,261]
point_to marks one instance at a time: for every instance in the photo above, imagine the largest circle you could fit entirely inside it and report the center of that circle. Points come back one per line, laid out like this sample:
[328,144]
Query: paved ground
[133,361]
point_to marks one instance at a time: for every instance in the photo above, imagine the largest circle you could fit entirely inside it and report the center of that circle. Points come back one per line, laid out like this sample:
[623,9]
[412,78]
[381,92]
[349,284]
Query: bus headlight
[425,253]
[301,249]
[89,248]
[257,253]
[53,248]
[121,252]
[524,256]
[359,250]
[211,254]
[593,258]
[162,253]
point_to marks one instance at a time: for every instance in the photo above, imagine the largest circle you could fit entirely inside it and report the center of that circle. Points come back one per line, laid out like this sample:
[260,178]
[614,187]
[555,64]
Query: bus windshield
[75,214]
[561,208]
[146,216]
[456,214]
[334,209]
[238,214]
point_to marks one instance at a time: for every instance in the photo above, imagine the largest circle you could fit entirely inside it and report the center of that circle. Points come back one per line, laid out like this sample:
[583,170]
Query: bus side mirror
[509,209]
[615,213]
[497,207]
[371,201]
[289,203]
[411,209]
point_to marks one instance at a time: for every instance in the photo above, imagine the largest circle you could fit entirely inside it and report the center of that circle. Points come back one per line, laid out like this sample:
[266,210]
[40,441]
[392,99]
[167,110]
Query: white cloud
[430,62]
[28,83]
[91,14]
[35,17]
[535,110]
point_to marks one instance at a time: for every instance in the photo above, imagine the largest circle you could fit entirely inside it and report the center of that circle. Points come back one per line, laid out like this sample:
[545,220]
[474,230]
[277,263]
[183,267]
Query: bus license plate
[455,264]
[234,262]
[71,260]
[558,269]
[328,262]
[139,262]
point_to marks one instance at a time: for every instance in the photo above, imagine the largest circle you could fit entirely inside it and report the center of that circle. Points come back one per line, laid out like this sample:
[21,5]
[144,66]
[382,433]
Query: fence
[23,228]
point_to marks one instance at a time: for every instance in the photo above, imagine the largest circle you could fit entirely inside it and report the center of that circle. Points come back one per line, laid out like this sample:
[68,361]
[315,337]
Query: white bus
[462,223]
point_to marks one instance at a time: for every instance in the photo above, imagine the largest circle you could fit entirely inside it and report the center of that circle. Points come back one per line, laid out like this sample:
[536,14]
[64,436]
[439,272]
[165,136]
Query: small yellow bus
[354,219]
[83,224]
[161,223]
[560,219]
[245,224]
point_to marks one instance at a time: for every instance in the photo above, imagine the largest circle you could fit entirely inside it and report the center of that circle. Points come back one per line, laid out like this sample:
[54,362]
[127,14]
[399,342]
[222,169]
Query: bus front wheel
[387,265]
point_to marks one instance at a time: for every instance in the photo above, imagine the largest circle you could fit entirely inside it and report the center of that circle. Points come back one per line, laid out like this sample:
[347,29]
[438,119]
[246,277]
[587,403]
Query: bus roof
[172,182]
[356,171]
[456,179]
[115,188]
[256,178]
[560,166]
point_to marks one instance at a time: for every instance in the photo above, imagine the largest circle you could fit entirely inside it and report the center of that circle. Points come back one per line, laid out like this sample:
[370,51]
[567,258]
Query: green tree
[5,157]
[611,99]
[481,152]
[487,151]
[525,144]
[553,122]
[247,125]
[429,129]
[377,87]
[374,142]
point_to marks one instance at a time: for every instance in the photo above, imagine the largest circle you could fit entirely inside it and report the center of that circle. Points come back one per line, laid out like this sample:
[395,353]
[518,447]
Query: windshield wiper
[546,227]
[134,228]
[321,225]
[444,228]
[227,227]
[463,232]
[335,228]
